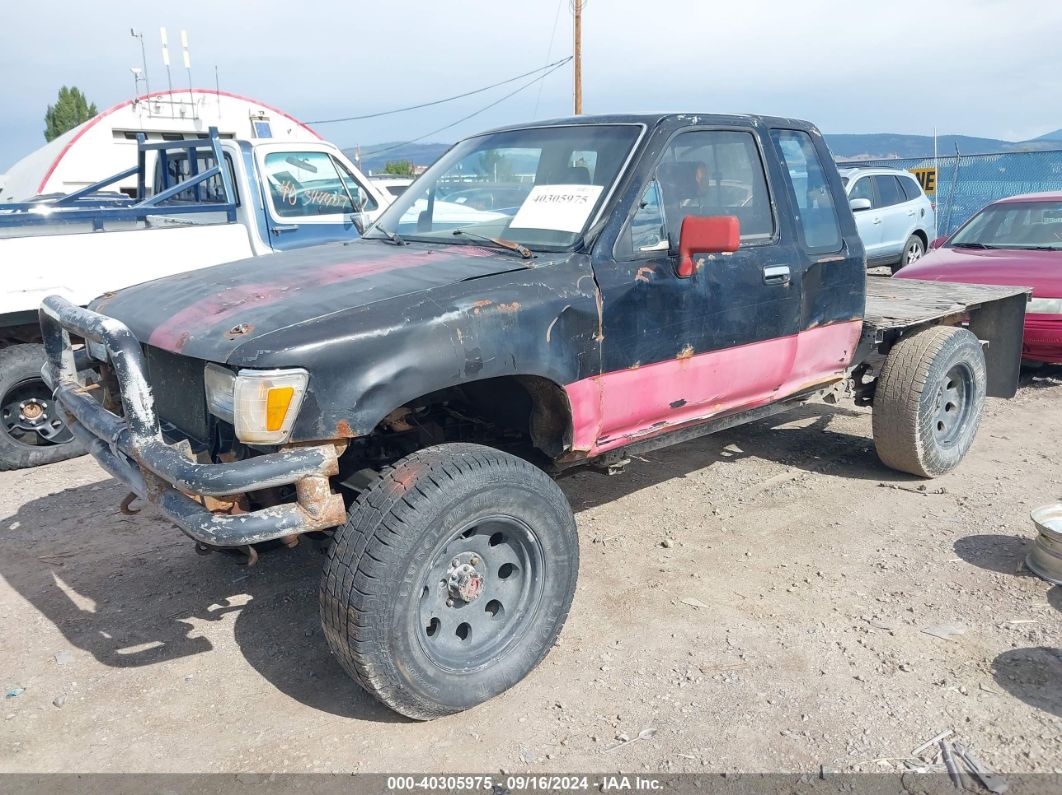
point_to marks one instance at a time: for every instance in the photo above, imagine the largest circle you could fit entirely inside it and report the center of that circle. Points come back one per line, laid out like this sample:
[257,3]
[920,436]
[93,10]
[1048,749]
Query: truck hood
[211,313]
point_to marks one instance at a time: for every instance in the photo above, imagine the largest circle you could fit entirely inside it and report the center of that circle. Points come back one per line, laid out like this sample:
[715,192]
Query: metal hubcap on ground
[30,416]
[914,251]
[951,407]
[479,592]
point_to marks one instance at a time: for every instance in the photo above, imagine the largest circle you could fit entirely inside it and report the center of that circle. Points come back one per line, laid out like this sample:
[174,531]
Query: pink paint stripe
[624,406]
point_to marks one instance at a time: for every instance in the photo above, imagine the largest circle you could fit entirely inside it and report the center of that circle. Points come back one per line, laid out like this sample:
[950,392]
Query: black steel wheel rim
[462,634]
[31,417]
[953,404]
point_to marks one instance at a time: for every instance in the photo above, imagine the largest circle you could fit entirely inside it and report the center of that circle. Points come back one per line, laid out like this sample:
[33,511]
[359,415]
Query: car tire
[400,606]
[21,383]
[928,401]
[913,250]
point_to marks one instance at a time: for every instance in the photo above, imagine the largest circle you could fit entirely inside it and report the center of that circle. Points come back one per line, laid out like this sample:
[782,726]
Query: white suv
[894,217]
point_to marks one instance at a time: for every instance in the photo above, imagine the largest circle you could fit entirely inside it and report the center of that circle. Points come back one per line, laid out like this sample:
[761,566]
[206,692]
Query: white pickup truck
[189,213]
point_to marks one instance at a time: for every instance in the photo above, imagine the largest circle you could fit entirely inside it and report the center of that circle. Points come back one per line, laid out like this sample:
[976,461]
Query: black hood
[210,313]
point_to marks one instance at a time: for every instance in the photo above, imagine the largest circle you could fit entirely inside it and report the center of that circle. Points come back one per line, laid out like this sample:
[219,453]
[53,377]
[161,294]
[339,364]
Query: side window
[210,191]
[306,184]
[809,190]
[715,172]
[362,198]
[647,230]
[863,189]
[889,190]
[910,188]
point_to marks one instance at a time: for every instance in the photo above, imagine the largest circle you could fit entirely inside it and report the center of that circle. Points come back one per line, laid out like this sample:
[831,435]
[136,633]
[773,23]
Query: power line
[554,67]
[549,66]
[549,52]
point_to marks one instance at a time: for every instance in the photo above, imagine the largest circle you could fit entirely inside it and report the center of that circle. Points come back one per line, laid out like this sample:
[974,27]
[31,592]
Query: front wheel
[928,401]
[32,431]
[451,579]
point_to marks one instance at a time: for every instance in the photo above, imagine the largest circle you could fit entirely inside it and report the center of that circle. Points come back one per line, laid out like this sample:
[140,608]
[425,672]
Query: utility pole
[577,9]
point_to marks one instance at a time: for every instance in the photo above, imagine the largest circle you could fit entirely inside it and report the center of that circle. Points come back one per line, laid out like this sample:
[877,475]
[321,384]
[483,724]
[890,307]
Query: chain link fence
[961,185]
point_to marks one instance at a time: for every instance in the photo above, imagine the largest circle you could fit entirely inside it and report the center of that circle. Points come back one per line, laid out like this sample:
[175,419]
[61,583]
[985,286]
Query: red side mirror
[940,241]
[713,234]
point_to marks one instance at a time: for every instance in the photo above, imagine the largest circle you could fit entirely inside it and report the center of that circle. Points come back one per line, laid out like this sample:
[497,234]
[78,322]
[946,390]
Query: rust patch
[513,307]
[343,429]
[644,273]
[182,340]
[239,330]
[677,404]
[478,305]
[685,353]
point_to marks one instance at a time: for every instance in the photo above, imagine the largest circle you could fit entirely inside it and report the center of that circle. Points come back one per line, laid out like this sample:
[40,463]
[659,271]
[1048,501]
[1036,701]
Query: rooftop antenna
[143,63]
[136,81]
[217,89]
[188,69]
[166,61]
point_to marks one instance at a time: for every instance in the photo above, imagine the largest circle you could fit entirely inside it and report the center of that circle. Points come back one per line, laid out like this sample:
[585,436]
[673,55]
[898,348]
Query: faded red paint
[617,408]
[227,305]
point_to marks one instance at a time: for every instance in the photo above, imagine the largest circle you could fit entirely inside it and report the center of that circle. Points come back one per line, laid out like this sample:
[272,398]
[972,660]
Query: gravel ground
[761,600]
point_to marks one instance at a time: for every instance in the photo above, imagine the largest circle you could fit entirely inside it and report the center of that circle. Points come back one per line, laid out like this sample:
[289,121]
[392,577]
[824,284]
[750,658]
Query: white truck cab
[187,214]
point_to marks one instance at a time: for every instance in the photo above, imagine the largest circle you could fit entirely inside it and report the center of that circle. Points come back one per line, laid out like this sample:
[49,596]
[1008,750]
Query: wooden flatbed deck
[896,304]
[995,314]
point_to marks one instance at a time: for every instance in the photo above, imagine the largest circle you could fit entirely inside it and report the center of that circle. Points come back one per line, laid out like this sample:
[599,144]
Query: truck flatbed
[898,306]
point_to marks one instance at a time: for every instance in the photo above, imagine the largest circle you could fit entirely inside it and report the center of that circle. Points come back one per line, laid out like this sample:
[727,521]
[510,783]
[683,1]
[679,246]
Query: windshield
[1014,225]
[539,187]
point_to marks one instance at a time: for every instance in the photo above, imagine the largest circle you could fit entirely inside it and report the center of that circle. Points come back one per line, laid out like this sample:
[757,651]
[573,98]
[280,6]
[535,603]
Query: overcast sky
[978,67]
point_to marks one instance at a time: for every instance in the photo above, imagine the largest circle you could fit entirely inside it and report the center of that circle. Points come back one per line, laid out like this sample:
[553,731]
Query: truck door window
[305,184]
[361,197]
[809,190]
[703,172]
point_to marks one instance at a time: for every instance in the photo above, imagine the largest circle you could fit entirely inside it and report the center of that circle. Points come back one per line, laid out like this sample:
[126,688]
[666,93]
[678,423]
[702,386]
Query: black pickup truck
[546,296]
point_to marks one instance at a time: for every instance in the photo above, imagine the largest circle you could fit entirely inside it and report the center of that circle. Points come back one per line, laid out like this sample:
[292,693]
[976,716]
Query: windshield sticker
[561,208]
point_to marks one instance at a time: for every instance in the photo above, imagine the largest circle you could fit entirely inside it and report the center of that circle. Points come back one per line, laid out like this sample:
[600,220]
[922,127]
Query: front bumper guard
[131,447]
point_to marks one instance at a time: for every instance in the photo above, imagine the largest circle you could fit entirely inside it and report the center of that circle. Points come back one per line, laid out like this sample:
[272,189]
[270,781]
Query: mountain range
[845,146]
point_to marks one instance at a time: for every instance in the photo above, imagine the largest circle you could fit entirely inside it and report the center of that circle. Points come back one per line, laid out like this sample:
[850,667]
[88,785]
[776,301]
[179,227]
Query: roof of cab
[652,120]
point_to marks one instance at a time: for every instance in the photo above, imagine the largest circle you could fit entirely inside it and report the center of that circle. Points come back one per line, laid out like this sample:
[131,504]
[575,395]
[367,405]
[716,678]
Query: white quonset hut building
[106,144]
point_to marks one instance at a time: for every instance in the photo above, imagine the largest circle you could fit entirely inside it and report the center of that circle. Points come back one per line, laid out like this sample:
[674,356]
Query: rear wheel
[32,429]
[928,401]
[451,579]
[913,250]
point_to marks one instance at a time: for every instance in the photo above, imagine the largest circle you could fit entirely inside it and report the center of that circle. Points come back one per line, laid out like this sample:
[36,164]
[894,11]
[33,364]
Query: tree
[71,109]
[400,168]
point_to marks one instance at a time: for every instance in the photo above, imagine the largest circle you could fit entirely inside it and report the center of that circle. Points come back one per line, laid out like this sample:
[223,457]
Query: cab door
[680,350]
[311,197]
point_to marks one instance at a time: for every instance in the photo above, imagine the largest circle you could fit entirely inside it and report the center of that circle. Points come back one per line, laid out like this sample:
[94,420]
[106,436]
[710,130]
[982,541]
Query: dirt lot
[758,598]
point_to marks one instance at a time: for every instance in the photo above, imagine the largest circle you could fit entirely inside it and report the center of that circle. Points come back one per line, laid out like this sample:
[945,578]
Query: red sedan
[1015,241]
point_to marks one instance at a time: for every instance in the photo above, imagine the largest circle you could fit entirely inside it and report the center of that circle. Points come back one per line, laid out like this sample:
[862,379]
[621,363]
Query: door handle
[776,274]
[877,220]
[276,230]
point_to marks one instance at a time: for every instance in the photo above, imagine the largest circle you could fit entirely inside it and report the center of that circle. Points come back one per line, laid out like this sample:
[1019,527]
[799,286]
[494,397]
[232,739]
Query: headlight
[262,404]
[220,385]
[1044,306]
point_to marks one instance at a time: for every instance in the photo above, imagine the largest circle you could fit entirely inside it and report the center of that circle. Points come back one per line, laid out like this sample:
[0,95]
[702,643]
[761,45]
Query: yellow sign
[927,178]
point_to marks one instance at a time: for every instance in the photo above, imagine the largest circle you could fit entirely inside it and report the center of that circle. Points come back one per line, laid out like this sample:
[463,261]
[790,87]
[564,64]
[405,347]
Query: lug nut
[449,602]
[455,563]
[475,560]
